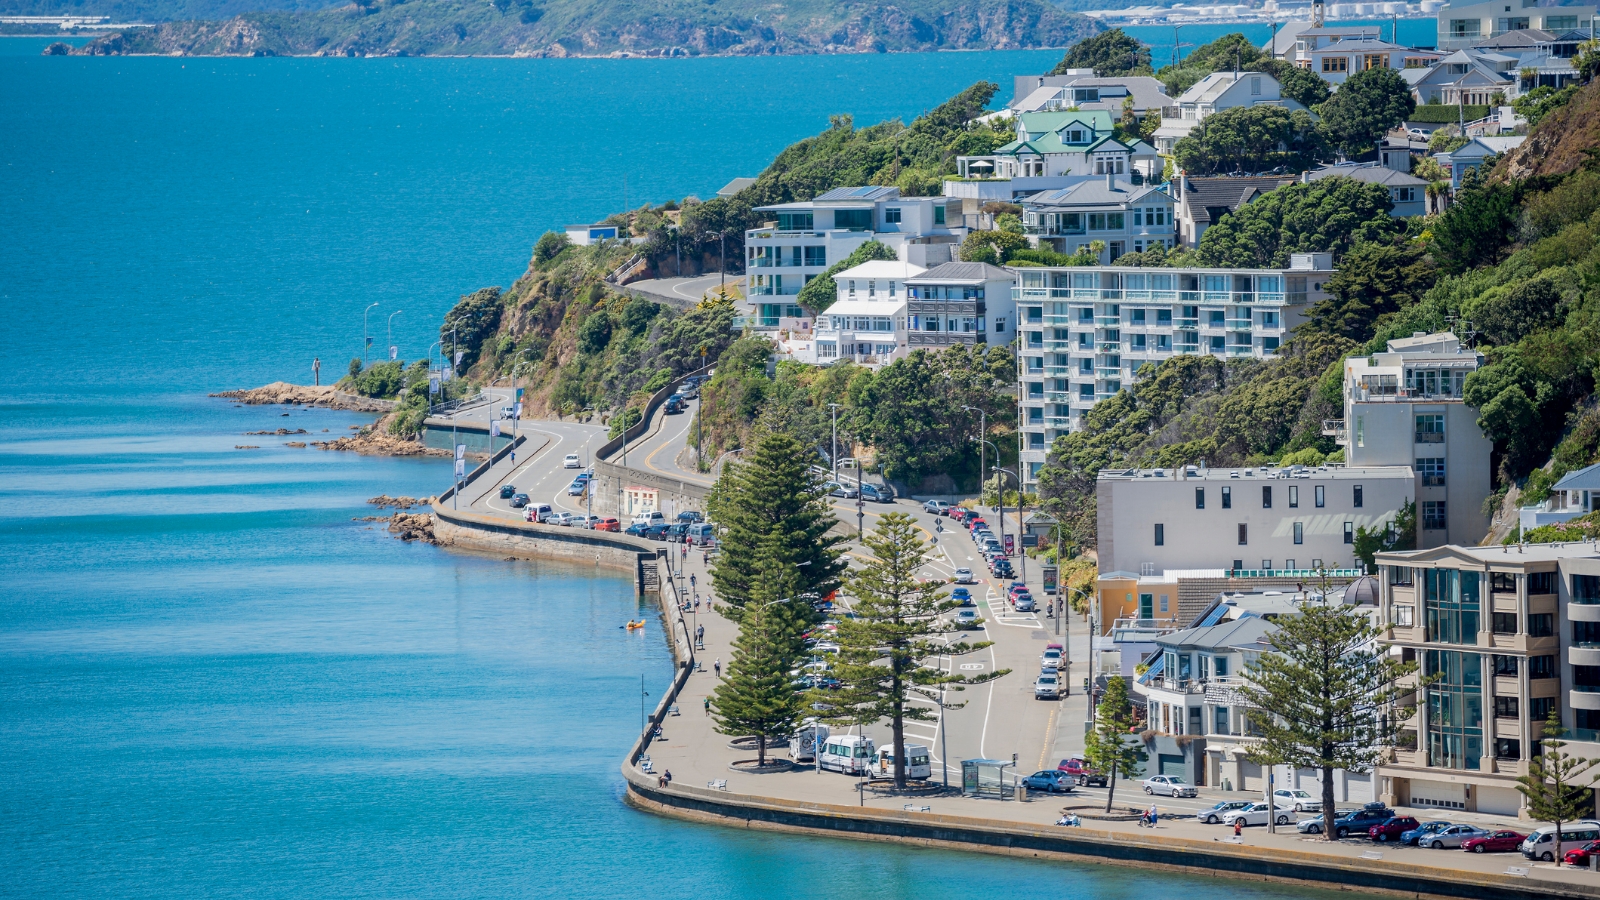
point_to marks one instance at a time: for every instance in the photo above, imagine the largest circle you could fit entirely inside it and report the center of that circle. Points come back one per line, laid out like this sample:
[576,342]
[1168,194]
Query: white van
[650,518]
[851,754]
[918,763]
[1542,843]
[803,746]
[537,512]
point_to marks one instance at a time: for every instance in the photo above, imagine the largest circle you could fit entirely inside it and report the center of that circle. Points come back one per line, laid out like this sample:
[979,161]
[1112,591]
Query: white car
[1256,814]
[1051,659]
[965,576]
[508,412]
[1299,801]
[560,518]
[585,521]
[1169,786]
[571,461]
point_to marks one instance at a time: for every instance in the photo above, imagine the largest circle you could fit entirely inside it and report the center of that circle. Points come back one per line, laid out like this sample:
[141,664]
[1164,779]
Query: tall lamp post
[366,338]
[983,430]
[1022,554]
[394,352]
[834,408]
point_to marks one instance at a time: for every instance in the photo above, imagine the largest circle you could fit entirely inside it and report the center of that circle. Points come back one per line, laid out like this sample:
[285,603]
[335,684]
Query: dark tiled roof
[860,193]
[1203,196]
[961,271]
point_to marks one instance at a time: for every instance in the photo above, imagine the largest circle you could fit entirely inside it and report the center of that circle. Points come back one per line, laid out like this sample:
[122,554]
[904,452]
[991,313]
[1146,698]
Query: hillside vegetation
[559,28]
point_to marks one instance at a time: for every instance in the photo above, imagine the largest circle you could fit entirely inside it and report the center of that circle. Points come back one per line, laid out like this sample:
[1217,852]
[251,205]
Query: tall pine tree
[759,697]
[891,648]
[774,510]
[1559,786]
[1107,746]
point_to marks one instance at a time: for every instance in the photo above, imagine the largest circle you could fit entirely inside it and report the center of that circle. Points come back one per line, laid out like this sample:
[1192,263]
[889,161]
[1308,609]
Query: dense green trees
[1365,107]
[1480,223]
[819,293]
[1109,54]
[1327,215]
[1250,139]
[890,645]
[549,245]
[758,697]
[1374,280]
[1224,54]
[992,247]
[474,317]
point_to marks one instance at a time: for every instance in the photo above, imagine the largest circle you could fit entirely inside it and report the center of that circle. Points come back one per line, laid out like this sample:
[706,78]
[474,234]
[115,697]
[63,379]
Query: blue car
[577,487]
[1051,780]
[962,595]
[1412,836]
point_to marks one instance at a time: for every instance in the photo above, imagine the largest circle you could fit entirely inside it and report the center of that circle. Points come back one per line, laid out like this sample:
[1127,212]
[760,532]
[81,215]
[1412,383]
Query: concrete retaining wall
[610,478]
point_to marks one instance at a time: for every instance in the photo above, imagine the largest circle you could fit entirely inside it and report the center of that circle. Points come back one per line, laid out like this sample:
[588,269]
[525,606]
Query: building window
[1432,471]
[1299,532]
[1035,314]
[1266,496]
[1294,496]
[1466,28]
[1452,600]
[1504,665]
[1227,498]
[938,214]
[891,215]
[1505,623]
[1335,64]
[1541,624]
[1433,517]
[1539,708]
[1505,707]
[1320,496]
[1266,565]
[1586,634]
[1035,440]
[1455,709]
[1540,667]
[1401,615]
[1349,532]
[1430,429]
[1542,582]
[1357,496]
[999,326]
[1507,748]
[1199,498]
[1400,575]
[1161,535]
[1244,534]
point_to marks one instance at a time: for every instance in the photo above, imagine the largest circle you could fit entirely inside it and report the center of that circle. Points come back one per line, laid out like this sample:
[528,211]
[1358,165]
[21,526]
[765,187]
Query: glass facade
[1451,599]
[1455,709]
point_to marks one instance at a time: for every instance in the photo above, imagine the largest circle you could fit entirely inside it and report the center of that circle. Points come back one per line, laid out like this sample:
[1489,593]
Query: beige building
[1257,520]
[1404,407]
[1511,633]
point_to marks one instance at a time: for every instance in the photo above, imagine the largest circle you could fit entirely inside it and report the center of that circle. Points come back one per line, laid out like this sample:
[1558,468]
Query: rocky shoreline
[324,396]
[372,440]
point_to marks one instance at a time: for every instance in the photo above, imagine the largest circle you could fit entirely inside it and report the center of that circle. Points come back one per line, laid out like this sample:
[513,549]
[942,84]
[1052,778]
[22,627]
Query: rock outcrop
[325,396]
[1560,143]
[412,527]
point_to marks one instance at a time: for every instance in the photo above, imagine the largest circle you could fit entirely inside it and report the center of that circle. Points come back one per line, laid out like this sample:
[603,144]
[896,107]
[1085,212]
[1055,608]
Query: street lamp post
[393,351]
[366,338]
[834,408]
[983,429]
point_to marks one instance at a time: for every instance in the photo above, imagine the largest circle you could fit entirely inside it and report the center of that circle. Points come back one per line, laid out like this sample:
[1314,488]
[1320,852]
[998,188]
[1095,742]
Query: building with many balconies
[1126,217]
[1086,330]
[867,322]
[1504,635]
[960,303]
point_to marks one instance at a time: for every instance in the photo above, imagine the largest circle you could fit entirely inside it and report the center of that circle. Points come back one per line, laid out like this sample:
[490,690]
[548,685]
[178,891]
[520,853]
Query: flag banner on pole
[450,374]
[494,428]
[519,395]
[461,451]
[369,340]
[461,468]
[459,354]
[519,411]
[433,383]
[394,352]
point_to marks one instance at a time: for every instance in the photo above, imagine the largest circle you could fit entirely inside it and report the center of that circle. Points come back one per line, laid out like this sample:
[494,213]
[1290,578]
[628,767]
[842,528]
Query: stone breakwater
[377,441]
[325,396]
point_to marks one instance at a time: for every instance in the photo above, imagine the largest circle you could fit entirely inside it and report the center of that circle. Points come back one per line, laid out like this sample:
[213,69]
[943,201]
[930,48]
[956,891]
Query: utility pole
[700,416]
[834,408]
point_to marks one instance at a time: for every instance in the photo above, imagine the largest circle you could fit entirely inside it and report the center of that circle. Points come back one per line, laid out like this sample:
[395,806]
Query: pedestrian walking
[1238,827]
[691,579]
[708,706]
[697,602]
[705,558]
[718,666]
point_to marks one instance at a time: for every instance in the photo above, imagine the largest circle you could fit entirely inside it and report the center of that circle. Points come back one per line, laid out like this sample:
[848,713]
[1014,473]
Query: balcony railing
[1192,298]
[1240,324]
[1400,395]
[1107,321]
[1237,350]
[1430,437]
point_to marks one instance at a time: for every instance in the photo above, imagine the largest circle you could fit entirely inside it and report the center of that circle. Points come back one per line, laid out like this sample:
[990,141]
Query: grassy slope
[604,27]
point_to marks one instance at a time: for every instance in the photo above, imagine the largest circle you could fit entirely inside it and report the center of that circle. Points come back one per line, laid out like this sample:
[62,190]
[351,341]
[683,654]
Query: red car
[1505,841]
[1081,771]
[960,513]
[1015,589]
[1580,856]
[609,523]
[1390,829]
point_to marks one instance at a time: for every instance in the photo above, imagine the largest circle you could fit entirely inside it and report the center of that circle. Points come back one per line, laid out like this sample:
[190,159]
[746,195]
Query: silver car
[1451,838]
[1169,786]
[1048,687]
[559,518]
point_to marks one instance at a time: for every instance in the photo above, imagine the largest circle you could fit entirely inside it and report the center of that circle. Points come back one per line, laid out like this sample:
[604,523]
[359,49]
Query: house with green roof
[1059,144]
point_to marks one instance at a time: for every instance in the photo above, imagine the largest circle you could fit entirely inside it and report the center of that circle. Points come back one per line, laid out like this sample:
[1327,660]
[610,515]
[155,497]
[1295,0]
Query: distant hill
[155,10]
[559,28]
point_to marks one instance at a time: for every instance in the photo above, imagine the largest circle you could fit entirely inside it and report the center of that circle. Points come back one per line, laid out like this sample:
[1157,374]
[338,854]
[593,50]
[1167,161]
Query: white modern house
[1576,494]
[1127,217]
[1214,93]
[1465,24]
[584,235]
[1082,89]
[1086,330]
[1407,192]
[867,322]
[960,303]
[807,237]
[1336,61]
[1405,407]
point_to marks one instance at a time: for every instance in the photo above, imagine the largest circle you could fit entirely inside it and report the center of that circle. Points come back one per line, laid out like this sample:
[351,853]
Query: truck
[918,764]
[851,754]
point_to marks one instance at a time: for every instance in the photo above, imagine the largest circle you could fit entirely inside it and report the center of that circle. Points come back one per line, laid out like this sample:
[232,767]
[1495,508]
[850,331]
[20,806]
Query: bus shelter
[985,778]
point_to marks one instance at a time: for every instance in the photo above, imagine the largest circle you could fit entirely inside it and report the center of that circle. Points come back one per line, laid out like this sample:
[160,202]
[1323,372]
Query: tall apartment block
[1086,330]
[1404,407]
[1510,633]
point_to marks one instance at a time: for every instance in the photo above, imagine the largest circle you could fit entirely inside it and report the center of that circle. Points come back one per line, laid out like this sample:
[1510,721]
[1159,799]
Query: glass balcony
[1239,324]
[1107,321]
[1238,351]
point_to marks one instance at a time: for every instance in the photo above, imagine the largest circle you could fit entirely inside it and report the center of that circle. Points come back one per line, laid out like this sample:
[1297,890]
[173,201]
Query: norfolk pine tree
[1555,785]
[1106,747]
[1324,695]
[897,630]
[773,507]
[758,697]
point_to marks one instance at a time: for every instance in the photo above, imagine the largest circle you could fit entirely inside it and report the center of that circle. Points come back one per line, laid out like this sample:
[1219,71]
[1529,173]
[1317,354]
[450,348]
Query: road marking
[1049,735]
[972,667]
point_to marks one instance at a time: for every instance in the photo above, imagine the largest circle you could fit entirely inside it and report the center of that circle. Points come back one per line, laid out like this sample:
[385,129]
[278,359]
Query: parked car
[608,523]
[647,530]
[961,595]
[1169,786]
[508,412]
[1214,815]
[589,522]
[1541,844]
[518,501]
[937,507]
[1082,772]
[650,518]
[836,489]
[577,487]
[1001,568]
[1360,819]
[876,493]
[1419,134]
[1392,828]
[959,513]
[1047,687]
[967,619]
[507,491]
[700,534]
[1299,801]
[690,516]
[1453,837]
[964,576]
[1050,781]
[1578,856]
[1050,659]
[562,518]
[571,461]
[1421,832]
[538,512]
[1257,813]
[676,531]
[1018,588]
[1026,604]
[1502,842]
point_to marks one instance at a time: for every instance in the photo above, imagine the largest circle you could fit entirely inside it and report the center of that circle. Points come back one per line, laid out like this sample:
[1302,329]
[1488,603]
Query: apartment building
[1086,330]
[1126,217]
[960,303]
[1404,407]
[1214,93]
[1510,633]
[1265,519]
[1465,24]
[867,322]
[807,237]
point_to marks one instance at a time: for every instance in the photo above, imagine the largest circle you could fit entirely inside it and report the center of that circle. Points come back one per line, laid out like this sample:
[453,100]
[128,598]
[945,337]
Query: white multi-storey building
[867,322]
[1086,330]
[1127,217]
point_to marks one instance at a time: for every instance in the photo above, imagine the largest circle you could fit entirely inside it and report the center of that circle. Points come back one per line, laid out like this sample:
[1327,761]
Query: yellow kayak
[638,624]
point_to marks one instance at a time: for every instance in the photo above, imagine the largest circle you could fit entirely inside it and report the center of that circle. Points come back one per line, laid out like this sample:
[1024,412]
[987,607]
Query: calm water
[212,680]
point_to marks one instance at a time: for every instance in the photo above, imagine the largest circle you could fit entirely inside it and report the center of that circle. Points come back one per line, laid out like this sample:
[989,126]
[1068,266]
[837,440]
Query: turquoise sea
[213,682]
